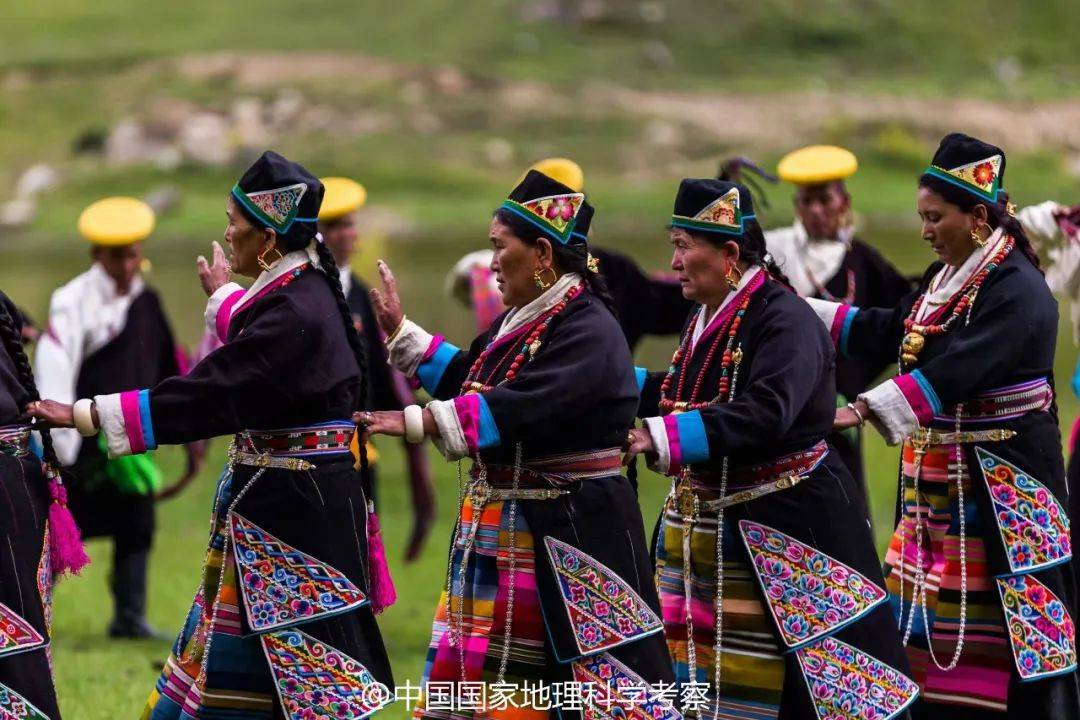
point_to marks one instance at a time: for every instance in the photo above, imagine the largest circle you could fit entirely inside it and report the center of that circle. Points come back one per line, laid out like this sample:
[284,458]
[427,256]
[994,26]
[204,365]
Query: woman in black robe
[283,623]
[979,569]
[549,576]
[772,594]
[28,565]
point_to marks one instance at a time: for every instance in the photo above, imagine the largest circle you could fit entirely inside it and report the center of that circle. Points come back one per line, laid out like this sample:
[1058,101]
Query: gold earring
[977,238]
[538,279]
[733,276]
[268,265]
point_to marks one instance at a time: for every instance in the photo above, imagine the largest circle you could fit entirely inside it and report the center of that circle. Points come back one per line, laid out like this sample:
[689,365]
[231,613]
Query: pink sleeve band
[837,326]
[915,397]
[671,427]
[468,412]
[224,315]
[129,406]
[432,347]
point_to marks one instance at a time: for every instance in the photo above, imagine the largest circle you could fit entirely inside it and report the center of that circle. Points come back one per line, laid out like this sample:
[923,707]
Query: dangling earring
[268,265]
[733,276]
[538,279]
[977,238]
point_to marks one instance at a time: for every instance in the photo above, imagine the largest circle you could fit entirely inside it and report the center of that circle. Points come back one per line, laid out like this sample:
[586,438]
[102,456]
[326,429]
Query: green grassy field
[70,69]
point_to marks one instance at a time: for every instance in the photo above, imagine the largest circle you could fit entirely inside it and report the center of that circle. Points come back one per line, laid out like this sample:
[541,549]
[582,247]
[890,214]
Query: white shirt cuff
[214,302]
[451,442]
[111,418]
[825,310]
[892,414]
[407,349]
[655,426]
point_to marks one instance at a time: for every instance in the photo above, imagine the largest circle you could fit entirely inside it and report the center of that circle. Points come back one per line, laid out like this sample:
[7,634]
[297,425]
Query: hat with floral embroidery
[969,164]
[707,205]
[281,195]
[549,205]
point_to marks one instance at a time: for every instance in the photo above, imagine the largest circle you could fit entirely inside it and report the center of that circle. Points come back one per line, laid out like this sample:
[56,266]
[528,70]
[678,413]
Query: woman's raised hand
[214,276]
[386,301]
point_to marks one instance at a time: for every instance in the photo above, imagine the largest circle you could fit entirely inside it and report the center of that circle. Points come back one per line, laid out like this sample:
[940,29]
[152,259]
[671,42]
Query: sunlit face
[948,228]
[514,264]
[246,241]
[341,236]
[822,209]
[121,263]
[702,266]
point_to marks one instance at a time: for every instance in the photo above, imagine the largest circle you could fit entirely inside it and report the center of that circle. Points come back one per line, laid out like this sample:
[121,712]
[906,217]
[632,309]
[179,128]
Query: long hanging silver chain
[512,528]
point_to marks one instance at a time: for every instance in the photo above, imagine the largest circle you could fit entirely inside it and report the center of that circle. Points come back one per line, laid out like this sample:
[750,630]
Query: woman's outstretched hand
[638,442]
[381,422]
[848,418]
[387,303]
[214,276]
[51,414]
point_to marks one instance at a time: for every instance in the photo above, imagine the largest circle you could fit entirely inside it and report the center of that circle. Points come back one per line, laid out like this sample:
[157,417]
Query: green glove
[132,474]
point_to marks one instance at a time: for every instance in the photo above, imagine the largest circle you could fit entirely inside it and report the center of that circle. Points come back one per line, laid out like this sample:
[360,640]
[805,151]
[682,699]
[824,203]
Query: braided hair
[12,339]
[997,214]
[752,248]
[569,257]
[333,279]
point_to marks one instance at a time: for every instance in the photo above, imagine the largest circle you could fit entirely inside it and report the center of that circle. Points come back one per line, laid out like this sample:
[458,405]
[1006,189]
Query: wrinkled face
[514,263]
[245,241]
[702,266]
[121,263]
[341,237]
[822,209]
[948,228]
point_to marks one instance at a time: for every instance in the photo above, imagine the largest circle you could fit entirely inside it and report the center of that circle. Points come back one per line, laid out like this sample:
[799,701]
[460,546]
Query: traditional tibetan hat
[548,204]
[817,165]
[281,195]
[584,222]
[708,205]
[342,197]
[116,221]
[564,170]
[969,164]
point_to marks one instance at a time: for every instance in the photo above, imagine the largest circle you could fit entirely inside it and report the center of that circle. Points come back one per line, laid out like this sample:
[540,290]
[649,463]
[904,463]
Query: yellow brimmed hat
[817,164]
[116,221]
[563,170]
[341,197]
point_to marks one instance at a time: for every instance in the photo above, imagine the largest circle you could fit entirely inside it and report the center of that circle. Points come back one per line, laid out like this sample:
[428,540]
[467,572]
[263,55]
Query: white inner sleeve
[452,441]
[406,351]
[825,310]
[111,418]
[214,302]
[655,426]
[892,415]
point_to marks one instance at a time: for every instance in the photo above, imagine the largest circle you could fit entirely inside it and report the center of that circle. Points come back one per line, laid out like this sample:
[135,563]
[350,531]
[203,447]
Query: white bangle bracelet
[84,418]
[414,424]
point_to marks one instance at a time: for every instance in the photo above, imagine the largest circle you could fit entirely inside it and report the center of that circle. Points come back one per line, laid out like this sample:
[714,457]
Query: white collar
[949,280]
[810,259]
[105,286]
[345,275]
[288,262]
[547,300]
[705,318]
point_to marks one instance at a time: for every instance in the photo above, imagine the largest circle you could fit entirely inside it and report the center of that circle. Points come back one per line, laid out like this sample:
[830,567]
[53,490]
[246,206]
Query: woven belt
[556,470]
[1004,403]
[323,439]
[924,437]
[15,440]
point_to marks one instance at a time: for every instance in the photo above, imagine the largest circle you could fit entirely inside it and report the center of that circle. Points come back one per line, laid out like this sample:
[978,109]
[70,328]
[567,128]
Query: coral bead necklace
[525,352]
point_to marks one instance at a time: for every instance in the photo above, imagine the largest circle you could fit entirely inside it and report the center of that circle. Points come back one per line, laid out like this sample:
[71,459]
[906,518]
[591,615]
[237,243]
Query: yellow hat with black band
[817,165]
[563,170]
[341,196]
[116,221]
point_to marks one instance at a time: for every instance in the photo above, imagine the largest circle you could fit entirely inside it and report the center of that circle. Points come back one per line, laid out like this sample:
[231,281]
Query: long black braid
[12,339]
[569,258]
[333,279]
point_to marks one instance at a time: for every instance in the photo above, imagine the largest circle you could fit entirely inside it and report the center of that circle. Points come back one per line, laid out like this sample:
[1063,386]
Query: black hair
[997,213]
[570,257]
[333,279]
[12,339]
[751,248]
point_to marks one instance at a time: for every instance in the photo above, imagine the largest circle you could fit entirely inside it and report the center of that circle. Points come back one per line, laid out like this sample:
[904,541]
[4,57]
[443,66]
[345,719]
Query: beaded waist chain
[746,483]
[289,449]
[15,440]
[1003,403]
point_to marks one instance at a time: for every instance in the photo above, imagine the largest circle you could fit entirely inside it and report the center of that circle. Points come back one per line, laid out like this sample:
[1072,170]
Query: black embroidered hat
[282,195]
[548,204]
[584,222]
[970,164]
[707,205]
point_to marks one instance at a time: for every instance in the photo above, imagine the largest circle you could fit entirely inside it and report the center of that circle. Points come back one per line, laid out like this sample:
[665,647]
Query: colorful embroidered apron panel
[620,693]
[751,662]
[15,707]
[981,680]
[16,634]
[1041,631]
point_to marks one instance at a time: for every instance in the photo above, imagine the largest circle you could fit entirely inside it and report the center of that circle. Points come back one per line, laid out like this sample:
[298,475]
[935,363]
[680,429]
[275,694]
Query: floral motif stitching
[15,707]
[604,611]
[809,593]
[846,683]
[1041,630]
[279,205]
[283,586]
[1033,524]
[16,634]
[313,680]
[615,692]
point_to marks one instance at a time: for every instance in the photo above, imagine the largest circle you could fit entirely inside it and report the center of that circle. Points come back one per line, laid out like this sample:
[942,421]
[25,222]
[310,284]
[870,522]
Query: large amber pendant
[910,348]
